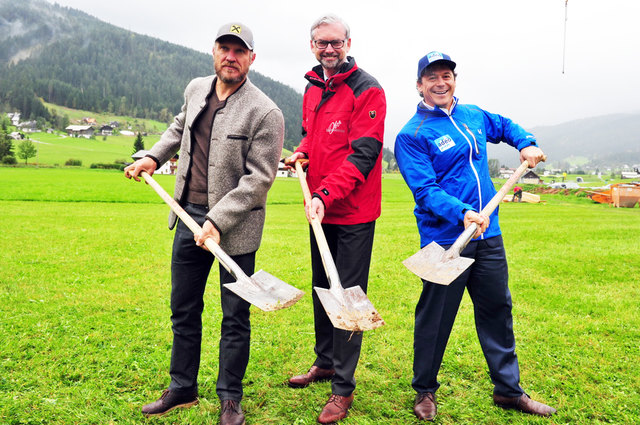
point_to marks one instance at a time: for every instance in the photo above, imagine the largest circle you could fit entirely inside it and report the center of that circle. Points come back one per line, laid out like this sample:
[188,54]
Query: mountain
[70,58]
[608,141]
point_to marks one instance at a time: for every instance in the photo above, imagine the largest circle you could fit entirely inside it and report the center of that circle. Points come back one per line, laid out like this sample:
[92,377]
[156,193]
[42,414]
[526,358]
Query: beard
[225,78]
[332,62]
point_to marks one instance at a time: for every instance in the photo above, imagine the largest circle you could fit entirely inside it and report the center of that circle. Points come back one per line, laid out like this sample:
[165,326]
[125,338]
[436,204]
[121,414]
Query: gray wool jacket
[246,144]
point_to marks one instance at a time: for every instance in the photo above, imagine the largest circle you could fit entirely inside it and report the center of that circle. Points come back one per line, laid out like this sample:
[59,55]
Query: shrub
[9,160]
[73,162]
[106,166]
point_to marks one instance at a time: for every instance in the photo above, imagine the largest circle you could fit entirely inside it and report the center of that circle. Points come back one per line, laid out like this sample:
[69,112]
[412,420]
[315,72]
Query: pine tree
[138,145]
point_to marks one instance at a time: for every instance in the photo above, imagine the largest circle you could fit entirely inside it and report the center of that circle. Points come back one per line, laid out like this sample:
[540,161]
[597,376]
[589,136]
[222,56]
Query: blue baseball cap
[433,57]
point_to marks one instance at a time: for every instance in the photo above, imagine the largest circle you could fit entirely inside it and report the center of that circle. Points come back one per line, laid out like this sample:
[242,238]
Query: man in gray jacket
[230,138]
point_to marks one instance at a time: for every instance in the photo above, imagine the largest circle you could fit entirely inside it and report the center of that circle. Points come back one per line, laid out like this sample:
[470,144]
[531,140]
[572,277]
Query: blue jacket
[443,159]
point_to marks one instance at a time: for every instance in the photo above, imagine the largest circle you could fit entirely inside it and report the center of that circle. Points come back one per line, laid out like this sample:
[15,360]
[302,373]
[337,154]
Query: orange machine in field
[625,195]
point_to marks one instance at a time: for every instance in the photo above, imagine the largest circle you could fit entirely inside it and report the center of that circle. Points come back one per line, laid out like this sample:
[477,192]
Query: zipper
[475,172]
[475,142]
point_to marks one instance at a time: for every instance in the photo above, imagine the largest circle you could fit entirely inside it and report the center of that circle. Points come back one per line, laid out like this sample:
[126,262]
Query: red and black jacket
[343,128]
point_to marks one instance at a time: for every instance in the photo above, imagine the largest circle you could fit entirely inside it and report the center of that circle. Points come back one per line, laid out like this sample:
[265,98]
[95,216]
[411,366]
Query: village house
[85,131]
[106,130]
[505,173]
[14,117]
[530,177]
[168,167]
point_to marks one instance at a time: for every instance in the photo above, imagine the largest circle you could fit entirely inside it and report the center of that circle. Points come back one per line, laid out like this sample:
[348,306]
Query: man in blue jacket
[442,156]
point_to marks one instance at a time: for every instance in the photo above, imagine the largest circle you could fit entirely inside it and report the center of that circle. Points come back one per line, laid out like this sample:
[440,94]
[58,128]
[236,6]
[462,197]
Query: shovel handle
[323,246]
[215,249]
[466,236]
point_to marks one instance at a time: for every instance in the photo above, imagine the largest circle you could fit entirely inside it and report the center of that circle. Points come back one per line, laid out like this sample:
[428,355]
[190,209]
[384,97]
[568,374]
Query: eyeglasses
[323,44]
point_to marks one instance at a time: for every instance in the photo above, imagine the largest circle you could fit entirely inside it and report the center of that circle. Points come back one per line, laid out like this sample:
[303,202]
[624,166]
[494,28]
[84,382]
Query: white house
[168,167]
[85,131]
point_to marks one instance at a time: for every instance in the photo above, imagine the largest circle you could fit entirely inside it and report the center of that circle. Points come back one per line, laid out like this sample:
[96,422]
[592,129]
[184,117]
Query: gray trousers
[190,267]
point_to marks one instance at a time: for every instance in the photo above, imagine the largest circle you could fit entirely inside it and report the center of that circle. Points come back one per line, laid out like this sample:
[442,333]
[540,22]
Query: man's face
[231,60]
[330,58]
[437,86]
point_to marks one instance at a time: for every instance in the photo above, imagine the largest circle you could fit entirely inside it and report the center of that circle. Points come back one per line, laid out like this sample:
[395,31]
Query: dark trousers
[486,280]
[190,267]
[350,247]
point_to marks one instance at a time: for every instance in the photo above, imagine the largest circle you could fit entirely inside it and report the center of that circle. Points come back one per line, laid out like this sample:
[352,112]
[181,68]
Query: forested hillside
[69,58]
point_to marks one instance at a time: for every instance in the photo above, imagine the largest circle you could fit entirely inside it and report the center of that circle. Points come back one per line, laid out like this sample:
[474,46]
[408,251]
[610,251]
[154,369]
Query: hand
[481,220]
[208,231]
[290,162]
[143,164]
[315,210]
[533,155]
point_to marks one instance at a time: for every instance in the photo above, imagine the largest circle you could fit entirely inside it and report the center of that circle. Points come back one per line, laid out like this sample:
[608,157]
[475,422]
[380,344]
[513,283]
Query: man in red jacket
[343,116]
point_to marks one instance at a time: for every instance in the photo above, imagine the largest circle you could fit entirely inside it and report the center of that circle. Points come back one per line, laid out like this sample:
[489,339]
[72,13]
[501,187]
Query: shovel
[263,290]
[348,309]
[432,263]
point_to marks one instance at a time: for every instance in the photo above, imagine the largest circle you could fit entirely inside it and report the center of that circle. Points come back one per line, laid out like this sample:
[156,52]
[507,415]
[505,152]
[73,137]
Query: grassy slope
[85,333]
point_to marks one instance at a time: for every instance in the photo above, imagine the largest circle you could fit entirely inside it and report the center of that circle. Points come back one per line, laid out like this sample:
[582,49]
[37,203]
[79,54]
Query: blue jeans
[190,267]
[486,280]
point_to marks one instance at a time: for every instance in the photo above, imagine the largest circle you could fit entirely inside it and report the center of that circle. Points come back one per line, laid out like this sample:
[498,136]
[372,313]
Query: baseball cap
[433,57]
[238,30]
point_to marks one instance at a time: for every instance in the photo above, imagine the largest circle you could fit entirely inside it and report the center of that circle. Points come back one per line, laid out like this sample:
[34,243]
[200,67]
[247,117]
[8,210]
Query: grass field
[85,334]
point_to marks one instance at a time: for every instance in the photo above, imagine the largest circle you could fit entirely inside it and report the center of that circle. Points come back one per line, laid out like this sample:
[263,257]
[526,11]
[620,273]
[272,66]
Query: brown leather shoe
[336,409]
[315,374]
[524,404]
[168,401]
[425,406]
[231,413]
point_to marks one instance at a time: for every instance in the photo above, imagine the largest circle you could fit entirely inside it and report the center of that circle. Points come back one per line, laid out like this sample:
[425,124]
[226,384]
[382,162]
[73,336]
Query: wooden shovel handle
[215,249]
[467,235]
[321,240]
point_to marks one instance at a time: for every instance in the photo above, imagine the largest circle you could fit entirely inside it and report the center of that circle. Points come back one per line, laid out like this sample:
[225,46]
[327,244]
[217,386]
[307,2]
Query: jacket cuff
[214,225]
[320,194]
[158,165]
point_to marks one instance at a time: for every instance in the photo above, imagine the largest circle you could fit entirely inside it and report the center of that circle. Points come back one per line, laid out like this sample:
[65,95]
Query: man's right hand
[290,162]
[143,164]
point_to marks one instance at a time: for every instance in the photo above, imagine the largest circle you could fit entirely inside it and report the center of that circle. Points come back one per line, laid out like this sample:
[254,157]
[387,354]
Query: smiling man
[343,113]
[230,138]
[442,155]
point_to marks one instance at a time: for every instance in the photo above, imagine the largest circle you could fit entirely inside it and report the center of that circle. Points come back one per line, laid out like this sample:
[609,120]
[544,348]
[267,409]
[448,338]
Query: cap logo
[434,56]
[235,29]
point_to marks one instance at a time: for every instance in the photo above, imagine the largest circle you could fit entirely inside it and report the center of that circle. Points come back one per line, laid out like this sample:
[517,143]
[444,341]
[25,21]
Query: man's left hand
[315,210]
[208,231]
[532,154]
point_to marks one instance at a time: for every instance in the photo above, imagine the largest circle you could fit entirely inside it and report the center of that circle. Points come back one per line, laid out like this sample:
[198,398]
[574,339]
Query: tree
[138,145]
[494,167]
[6,145]
[26,150]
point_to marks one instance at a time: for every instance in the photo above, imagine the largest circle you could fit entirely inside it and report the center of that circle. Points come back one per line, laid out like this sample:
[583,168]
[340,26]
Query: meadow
[85,334]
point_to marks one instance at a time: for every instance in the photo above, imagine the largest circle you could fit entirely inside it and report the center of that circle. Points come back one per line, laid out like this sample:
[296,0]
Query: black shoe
[168,401]
[231,413]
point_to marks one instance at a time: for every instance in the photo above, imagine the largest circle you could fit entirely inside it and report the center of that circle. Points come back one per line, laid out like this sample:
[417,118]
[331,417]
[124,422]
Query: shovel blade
[265,291]
[355,313]
[432,263]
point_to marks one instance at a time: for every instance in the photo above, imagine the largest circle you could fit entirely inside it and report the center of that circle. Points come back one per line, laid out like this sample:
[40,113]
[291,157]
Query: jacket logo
[334,127]
[445,142]
[372,114]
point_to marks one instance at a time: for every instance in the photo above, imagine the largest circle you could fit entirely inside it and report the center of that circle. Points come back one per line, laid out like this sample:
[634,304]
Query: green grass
[85,334]
[56,149]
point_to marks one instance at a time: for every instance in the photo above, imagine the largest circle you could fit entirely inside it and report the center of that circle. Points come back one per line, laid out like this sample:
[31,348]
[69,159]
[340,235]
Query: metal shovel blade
[354,313]
[434,264]
[265,291]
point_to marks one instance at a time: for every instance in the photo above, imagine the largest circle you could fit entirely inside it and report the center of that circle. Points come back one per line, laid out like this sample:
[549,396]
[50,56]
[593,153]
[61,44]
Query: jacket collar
[435,111]
[316,75]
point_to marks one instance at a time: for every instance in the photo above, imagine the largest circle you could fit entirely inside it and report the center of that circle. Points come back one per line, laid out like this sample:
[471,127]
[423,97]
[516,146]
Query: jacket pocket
[237,137]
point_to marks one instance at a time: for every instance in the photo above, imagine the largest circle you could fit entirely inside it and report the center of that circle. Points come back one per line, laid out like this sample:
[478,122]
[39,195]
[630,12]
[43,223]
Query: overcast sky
[509,52]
